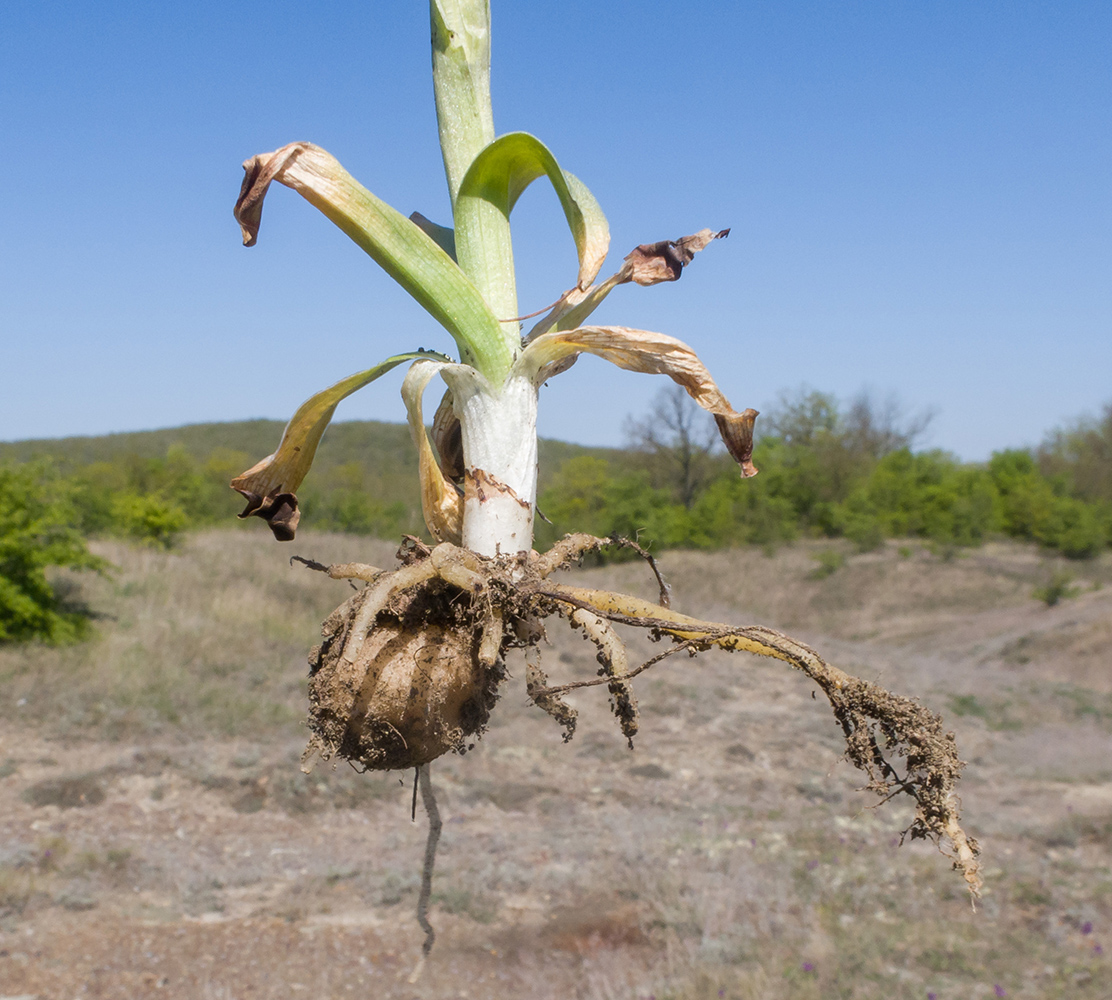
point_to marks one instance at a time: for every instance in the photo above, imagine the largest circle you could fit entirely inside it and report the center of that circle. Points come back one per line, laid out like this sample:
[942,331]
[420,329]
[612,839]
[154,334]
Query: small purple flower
[808,967]
[1098,950]
[999,990]
[1087,927]
[721,993]
[932,996]
[812,865]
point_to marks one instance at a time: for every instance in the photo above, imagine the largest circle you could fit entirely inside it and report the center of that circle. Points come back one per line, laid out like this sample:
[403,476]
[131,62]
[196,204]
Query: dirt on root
[415,687]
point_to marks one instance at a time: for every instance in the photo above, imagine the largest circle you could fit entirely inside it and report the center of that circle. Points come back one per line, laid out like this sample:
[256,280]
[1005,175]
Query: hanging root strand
[613,666]
[876,723]
[428,799]
[548,699]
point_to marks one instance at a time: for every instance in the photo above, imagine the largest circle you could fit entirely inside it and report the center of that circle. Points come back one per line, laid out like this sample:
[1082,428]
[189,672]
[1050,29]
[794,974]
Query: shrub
[1075,528]
[829,562]
[148,519]
[1032,509]
[36,532]
[1059,586]
[750,512]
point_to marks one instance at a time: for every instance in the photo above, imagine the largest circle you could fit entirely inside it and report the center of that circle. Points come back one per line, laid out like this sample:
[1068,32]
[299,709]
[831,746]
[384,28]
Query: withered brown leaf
[652,263]
[280,511]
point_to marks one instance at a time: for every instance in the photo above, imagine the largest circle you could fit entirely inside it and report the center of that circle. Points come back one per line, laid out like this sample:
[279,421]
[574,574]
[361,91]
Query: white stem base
[500,455]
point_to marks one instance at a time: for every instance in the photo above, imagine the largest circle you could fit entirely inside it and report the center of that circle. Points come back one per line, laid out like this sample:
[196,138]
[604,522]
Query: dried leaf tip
[652,263]
[736,430]
[258,172]
[280,511]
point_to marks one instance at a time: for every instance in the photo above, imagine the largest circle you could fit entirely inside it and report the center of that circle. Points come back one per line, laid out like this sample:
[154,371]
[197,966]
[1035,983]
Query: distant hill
[383,450]
[200,440]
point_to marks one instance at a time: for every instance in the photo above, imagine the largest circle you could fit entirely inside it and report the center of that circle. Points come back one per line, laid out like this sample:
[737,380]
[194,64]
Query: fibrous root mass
[409,668]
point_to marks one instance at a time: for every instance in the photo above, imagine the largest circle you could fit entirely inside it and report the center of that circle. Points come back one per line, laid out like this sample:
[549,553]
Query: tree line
[826,470]
[835,471]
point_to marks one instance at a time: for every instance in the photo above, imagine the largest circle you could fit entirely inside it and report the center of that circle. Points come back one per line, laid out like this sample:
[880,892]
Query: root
[428,799]
[553,692]
[548,699]
[873,720]
[342,571]
[498,603]
[491,646]
[573,547]
[378,595]
[612,660]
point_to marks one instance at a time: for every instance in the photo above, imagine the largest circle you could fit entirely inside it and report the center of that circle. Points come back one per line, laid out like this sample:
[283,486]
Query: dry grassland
[157,838]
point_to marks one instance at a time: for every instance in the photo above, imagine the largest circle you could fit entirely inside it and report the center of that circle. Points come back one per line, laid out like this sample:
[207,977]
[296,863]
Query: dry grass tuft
[209,639]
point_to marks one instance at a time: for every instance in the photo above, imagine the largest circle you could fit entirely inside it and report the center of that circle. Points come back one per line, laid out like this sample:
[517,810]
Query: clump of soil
[410,691]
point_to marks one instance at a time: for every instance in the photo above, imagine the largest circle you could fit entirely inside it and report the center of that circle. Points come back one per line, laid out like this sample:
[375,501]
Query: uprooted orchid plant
[410,666]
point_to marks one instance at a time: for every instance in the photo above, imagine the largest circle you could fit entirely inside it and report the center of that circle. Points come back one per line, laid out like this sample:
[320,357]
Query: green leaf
[269,485]
[398,245]
[496,179]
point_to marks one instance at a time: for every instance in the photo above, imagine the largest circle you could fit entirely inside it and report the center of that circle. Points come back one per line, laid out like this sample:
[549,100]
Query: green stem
[461,83]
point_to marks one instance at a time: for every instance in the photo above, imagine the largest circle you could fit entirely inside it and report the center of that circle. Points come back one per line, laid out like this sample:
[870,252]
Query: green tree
[36,533]
[149,519]
[929,494]
[823,453]
[586,495]
[1080,456]
[1032,508]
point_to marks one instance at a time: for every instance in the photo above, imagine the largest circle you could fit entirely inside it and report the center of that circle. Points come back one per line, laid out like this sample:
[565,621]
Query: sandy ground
[728,855]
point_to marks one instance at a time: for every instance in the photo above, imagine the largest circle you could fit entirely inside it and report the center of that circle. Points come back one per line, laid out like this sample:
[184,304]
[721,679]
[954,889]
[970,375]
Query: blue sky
[919,195]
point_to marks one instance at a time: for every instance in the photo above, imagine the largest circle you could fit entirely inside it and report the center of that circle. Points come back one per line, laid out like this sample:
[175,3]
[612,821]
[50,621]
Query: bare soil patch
[157,838]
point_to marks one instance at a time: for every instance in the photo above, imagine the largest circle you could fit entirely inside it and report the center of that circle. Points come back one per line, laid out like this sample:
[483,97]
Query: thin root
[428,799]
[553,692]
[572,547]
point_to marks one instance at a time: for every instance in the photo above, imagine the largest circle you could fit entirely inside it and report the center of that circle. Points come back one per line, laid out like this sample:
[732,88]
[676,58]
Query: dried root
[545,698]
[410,667]
[874,721]
[612,664]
